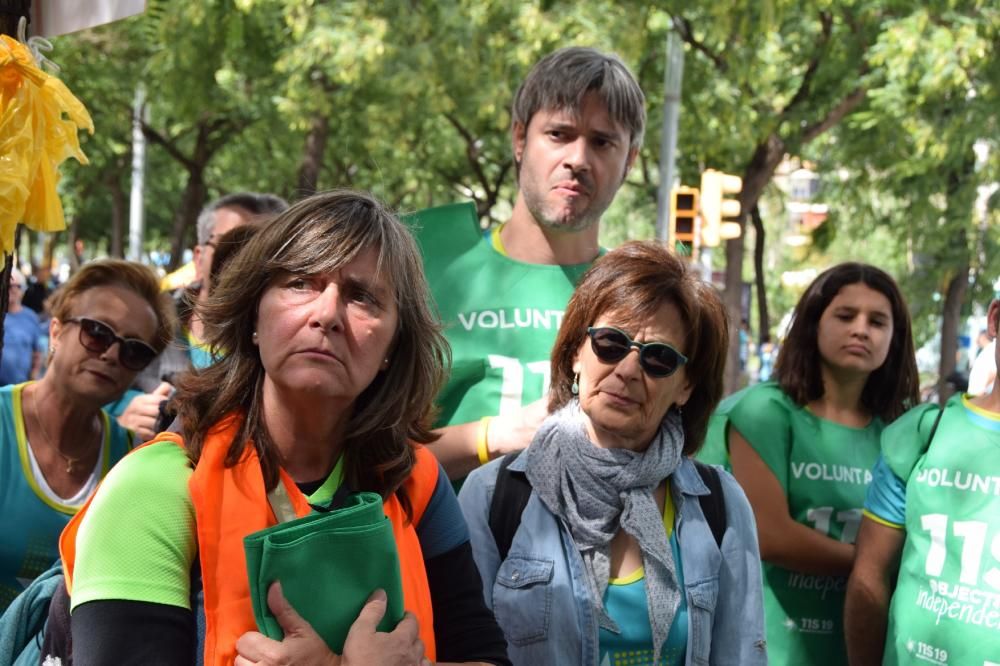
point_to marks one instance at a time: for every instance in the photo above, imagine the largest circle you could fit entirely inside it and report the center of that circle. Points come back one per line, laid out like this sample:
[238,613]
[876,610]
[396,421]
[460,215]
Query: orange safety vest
[231,502]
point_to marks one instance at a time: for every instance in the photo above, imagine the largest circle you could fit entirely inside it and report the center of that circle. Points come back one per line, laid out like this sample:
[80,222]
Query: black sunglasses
[96,336]
[658,359]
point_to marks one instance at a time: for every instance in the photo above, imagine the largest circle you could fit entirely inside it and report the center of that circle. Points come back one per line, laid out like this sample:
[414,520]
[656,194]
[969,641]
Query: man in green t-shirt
[577,125]
[926,580]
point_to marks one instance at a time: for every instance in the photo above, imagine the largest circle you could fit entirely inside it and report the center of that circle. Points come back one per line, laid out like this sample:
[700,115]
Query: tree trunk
[192,201]
[74,258]
[119,206]
[763,318]
[766,158]
[49,248]
[29,250]
[312,156]
[960,210]
[212,134]
[951,315]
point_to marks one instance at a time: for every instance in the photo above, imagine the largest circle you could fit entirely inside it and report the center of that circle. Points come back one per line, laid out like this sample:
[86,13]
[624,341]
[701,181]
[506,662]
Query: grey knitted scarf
[596,491]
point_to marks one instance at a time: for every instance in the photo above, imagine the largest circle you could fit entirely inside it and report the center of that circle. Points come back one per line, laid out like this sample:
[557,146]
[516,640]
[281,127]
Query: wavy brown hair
[634,281]
[318,235]
[892,388]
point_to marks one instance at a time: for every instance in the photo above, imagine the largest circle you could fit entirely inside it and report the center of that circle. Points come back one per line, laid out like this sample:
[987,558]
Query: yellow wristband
[482,450]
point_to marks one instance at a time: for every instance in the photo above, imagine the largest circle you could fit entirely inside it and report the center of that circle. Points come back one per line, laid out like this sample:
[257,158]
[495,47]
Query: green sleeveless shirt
[824,469]
[946,606]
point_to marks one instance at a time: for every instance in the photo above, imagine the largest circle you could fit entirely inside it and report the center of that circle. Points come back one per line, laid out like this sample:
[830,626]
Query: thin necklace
[70,461]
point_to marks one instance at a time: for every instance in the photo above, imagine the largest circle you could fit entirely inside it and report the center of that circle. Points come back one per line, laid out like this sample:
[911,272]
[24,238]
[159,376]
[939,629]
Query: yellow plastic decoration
[39,120]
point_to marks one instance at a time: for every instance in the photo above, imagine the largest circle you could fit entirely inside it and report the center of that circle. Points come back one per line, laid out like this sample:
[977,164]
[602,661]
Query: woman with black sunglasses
[108,322]
[619,549]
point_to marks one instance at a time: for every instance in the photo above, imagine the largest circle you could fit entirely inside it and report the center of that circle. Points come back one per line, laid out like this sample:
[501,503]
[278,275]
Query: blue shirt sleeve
[885,501]
[442,527]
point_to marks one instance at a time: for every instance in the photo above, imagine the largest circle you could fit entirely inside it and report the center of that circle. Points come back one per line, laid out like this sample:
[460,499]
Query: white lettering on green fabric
[958,602]
[824,472]
[973,535]
[549,320]
[942,477]
[822,516]
[512,380]
[927,652]
[818,583]
[488,319]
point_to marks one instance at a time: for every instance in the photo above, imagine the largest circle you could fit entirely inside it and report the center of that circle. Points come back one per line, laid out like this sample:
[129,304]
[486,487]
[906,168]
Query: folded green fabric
[328,564]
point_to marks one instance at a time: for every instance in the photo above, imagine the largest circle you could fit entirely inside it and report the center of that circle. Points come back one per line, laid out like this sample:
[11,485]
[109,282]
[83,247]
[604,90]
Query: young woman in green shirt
[803,446]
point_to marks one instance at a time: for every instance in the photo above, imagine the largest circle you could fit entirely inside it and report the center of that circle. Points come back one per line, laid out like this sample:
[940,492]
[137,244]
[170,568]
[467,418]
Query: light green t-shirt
[824,469]
[946,606]
[137,541]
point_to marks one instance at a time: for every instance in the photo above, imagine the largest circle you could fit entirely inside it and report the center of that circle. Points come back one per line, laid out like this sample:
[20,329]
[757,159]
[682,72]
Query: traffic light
[714,186]
[684,221]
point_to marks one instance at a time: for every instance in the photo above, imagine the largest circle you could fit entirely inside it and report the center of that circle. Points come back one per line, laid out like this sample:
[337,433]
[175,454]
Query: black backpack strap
[713,505]
[937,420]
[510,495]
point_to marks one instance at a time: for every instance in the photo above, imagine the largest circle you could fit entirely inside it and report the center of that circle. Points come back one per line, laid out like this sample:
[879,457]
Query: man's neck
[524,239]
[989,401]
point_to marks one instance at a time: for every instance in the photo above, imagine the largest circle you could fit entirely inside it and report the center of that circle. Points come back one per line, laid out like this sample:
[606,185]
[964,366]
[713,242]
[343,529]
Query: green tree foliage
[208,70]
[411,101]
[936,99]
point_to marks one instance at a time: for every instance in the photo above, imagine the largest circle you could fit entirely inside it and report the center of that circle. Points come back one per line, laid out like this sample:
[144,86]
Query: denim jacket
[540,598]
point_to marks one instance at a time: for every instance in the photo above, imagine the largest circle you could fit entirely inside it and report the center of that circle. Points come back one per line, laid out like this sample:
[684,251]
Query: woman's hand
[141,414]
[364,645]
[457,445]
[302,646]
[515,431]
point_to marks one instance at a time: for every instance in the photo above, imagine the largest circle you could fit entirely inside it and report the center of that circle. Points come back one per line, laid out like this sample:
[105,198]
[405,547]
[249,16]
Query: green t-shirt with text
[824,469]
[946,606]
[501,316]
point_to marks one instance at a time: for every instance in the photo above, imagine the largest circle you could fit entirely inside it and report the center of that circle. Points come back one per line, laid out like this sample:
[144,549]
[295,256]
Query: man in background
[188,350]
[218,217]
[22,352]
[577,126]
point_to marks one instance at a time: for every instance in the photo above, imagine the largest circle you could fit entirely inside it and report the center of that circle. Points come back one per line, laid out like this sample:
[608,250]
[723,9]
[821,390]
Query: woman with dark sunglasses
[108,321]
[619,548]
[803,448]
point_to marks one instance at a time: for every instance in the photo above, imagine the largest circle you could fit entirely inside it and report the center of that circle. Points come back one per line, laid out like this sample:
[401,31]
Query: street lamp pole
[136,219]
[672,75]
